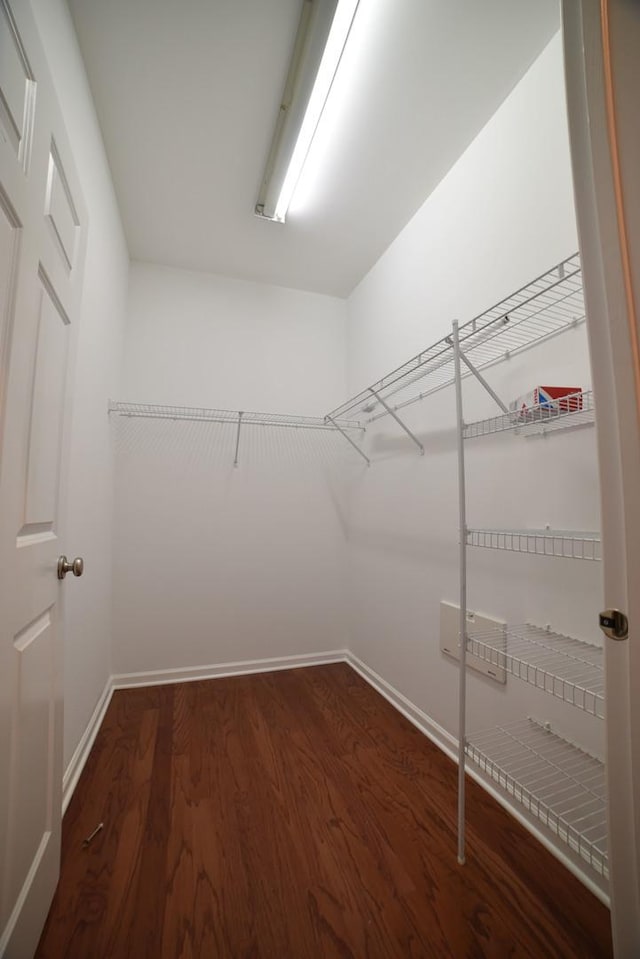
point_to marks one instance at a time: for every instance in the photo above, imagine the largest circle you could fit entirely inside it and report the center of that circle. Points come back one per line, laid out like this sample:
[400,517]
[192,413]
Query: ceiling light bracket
[322,34]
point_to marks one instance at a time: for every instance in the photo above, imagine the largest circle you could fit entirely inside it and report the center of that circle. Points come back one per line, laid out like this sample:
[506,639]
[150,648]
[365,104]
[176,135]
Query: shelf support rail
[478,375]
[235,461]
[462,628]
[393,413]
[337,426]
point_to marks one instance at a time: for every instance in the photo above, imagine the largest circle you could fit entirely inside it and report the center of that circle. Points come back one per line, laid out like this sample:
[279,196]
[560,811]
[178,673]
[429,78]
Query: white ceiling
[187,94]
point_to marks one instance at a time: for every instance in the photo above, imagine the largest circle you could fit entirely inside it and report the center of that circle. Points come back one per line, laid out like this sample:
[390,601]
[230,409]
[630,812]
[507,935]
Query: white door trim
[610,317]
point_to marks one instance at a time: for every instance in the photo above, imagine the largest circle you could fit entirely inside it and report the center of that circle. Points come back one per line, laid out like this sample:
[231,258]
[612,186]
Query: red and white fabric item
[543,402]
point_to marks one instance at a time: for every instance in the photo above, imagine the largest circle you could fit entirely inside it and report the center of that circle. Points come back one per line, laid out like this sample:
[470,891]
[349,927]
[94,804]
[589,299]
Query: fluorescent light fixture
[320,41]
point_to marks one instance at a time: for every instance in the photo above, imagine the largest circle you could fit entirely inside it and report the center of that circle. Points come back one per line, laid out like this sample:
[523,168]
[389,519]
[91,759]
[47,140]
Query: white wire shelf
[547,306]
[200,414]
[556,781]
[566,544]
[569,412]
[567,668]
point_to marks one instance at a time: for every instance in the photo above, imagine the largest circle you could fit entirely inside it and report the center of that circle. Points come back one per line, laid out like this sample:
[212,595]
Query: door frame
[600,129]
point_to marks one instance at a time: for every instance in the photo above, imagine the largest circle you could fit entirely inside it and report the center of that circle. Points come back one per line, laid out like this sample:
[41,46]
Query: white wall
[503,215]
[217,564]
[88,601]
[206,340]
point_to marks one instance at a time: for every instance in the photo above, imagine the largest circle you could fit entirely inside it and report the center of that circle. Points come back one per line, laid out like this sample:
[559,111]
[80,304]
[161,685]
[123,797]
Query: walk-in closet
[334,474]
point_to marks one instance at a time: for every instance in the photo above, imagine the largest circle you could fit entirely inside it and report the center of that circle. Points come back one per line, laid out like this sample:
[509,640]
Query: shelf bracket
[235,461]
[348,439]
[478,375]
[398,420]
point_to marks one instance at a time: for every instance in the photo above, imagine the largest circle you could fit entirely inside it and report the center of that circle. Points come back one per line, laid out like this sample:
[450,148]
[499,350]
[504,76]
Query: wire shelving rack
[554,779]
[201,414]
[569,412]
[545,307]
[561,543]
[562,666]
[237,418]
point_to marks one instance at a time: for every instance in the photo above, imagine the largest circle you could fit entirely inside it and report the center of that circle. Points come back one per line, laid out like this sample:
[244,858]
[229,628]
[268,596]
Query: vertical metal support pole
[462,690]
[240,415]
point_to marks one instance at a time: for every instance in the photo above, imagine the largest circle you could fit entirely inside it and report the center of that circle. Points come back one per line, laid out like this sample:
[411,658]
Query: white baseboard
[444,740]
[160,677]
[82,750]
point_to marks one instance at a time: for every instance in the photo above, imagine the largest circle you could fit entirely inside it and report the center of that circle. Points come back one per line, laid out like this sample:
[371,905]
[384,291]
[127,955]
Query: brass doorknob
[64,566]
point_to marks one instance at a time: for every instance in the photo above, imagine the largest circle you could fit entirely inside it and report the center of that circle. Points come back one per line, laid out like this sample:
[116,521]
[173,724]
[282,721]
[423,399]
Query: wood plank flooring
[296,815]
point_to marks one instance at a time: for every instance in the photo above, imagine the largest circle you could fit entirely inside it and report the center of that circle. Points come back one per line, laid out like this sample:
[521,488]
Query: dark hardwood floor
[290,815]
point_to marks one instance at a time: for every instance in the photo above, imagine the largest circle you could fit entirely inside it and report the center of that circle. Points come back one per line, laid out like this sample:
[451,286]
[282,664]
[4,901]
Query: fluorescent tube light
[322,36]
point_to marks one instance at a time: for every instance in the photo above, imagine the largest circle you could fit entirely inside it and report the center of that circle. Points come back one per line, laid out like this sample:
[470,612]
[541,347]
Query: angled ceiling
[187,95]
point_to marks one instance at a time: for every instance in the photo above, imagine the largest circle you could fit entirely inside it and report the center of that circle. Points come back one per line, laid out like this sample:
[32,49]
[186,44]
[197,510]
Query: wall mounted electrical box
[449,621]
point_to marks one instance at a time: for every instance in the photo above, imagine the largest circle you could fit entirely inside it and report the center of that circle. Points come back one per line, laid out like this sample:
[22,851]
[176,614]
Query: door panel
[45,421]
[9,240]
[42,239]
[17,88]
[60,209]
[32,792]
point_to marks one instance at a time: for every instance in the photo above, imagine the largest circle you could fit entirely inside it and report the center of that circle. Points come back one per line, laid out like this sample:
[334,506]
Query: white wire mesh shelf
[567,668]
[555,780]
[569,412]
[547,306]
[567,544]
[200,414]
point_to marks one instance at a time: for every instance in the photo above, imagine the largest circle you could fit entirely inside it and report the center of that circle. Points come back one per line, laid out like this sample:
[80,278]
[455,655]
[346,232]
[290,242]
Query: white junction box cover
[449,627]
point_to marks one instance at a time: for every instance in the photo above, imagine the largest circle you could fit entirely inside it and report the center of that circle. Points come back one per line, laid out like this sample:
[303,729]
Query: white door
[602,63]
[42,227]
